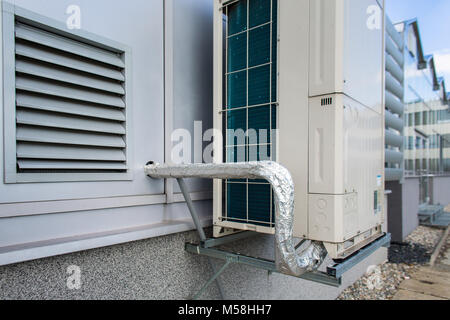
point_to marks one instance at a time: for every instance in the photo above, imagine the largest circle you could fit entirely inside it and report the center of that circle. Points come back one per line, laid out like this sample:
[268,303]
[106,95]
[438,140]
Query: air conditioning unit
[301,82]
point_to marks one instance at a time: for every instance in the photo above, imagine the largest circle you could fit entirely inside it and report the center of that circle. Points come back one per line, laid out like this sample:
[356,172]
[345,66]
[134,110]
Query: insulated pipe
[287,260]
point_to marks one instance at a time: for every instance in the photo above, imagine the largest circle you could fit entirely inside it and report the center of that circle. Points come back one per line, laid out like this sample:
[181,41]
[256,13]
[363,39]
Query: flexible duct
[288,261]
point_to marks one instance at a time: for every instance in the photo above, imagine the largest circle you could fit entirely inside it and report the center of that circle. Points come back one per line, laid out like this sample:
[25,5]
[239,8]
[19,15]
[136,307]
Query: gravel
[382,282]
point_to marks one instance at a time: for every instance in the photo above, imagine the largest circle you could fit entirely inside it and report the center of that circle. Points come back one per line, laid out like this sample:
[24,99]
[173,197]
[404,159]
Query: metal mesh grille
[250,104]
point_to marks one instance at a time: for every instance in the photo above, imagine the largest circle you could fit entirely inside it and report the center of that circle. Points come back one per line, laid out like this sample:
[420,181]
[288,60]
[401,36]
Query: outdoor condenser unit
[303,80]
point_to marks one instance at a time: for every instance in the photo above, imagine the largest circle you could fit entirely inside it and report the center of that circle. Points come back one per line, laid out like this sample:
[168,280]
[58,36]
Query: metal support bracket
[333,276]
[289,261]
[343,266]
[213,278]
[317,276]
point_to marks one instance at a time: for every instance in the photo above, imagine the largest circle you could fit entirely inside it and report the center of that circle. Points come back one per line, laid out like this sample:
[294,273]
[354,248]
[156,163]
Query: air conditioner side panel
[292,142]
[217,102]
[333,218]
[326,47]
[363,52]
[346,38]
[326,145]
[346,169]
[364,161]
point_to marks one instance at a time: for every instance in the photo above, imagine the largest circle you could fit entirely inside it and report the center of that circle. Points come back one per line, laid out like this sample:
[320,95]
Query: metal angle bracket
[259,263]
[333,276]
[341,267]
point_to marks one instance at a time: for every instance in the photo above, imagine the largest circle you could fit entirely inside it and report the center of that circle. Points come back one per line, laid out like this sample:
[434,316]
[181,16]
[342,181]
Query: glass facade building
[427,116]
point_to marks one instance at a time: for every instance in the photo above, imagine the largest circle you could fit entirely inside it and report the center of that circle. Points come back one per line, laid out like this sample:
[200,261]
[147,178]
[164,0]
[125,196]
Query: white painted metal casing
[345,170]
[330,119]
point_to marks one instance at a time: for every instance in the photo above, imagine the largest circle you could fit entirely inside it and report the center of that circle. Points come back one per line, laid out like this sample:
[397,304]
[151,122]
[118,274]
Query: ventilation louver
[70,104]
[326,102]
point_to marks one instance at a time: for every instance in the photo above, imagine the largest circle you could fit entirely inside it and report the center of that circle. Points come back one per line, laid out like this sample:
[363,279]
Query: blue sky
[434,24]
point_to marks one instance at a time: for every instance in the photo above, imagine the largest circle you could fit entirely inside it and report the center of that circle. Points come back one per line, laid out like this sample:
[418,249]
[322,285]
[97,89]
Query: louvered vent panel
[70,105]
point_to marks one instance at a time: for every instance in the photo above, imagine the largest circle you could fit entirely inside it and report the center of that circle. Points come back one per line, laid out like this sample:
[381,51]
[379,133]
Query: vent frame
[9,17]
[242,205]
[328,101]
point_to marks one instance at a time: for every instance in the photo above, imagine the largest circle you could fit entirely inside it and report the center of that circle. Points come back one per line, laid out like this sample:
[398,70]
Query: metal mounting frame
[259,263]
[208,248]
[341,267]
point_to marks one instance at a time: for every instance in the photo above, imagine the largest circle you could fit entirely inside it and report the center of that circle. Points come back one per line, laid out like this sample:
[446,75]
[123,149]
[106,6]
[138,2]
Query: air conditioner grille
[250,104]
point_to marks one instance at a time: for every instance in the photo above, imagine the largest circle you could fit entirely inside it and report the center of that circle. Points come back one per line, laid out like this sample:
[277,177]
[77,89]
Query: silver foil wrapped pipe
[288,261]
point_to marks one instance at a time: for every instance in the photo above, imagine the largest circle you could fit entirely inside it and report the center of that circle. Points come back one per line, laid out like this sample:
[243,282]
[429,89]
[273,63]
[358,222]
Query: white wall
[55,212]
[411,203]
[193,64]
[115,20]
[441,190]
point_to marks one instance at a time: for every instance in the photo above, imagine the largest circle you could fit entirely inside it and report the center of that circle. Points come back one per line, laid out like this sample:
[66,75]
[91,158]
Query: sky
[434,25]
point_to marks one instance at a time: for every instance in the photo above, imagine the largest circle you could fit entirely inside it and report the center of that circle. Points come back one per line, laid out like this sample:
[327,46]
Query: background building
[414,81]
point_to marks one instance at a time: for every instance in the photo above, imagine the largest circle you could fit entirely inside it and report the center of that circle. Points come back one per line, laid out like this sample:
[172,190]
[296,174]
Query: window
[412,42]
[66,101]
[410,143]
[418,143]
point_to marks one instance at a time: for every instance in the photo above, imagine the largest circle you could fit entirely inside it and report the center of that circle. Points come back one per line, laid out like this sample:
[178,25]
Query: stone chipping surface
[382,282]
[161,269]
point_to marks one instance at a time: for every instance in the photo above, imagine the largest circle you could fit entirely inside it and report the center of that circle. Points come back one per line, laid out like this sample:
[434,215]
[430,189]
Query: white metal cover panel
[333,218]
[363,51]
[345,157]
[327,145]
[293,96]
[326,43]
[346,137]
[345,38]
